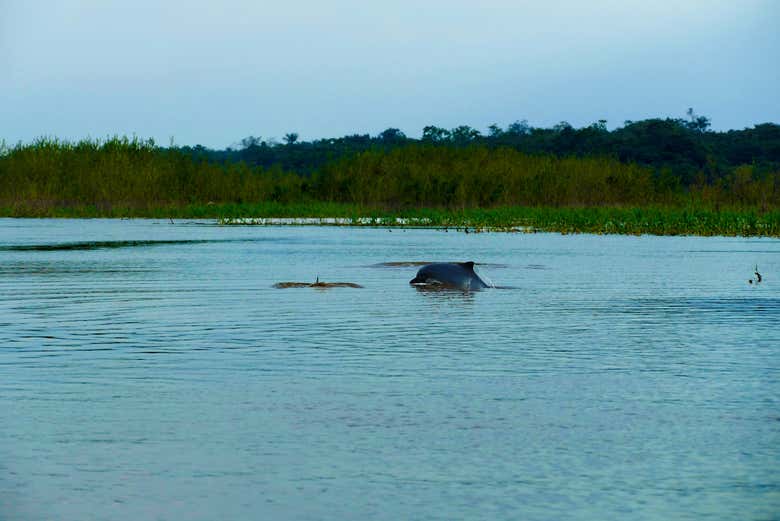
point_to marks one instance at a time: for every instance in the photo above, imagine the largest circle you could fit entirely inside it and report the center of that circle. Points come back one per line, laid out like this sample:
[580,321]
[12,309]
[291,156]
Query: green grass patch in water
[654,220]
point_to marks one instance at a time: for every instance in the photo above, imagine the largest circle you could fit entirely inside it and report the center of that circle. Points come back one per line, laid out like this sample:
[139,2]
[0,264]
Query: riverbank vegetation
[685,180]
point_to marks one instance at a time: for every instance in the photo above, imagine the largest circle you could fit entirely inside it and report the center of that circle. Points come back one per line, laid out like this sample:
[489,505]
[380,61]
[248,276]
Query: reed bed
[473,188]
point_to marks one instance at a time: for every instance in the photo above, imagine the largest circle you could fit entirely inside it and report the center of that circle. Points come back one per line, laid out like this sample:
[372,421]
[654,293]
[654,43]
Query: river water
[150,370]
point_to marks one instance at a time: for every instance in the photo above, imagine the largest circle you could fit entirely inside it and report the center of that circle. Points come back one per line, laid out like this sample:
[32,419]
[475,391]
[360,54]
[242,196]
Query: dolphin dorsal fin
[468,265]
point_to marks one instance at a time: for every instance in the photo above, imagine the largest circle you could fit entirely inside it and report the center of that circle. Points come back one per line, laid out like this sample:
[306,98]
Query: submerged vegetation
[656,176]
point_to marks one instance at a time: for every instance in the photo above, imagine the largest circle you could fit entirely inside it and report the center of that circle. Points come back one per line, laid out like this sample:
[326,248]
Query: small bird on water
[759,278]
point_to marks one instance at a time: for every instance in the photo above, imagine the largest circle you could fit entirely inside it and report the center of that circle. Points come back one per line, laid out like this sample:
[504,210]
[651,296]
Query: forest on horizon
[666,162]
[687,148]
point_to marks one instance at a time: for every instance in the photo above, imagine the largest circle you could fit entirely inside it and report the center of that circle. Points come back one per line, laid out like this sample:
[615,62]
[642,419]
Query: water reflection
[443,293]
[61,268]
[703,309]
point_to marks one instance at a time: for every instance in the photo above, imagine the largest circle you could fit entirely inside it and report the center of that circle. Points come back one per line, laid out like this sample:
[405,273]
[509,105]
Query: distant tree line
[683,149]
[654,161]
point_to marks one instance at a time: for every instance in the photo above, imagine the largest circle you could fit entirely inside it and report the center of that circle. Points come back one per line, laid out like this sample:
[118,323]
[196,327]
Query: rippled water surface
[150,370]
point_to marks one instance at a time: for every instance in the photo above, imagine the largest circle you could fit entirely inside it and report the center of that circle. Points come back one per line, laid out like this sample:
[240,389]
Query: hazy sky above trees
[212,72]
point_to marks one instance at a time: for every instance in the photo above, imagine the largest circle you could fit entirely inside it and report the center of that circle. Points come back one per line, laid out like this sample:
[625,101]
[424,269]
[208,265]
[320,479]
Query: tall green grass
[128,173]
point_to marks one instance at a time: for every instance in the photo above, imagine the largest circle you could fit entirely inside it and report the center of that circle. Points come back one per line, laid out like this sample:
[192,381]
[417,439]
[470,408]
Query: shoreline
[694,220]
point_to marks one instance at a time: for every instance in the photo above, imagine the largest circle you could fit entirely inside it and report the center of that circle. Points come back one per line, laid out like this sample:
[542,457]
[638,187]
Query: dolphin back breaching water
[455,275]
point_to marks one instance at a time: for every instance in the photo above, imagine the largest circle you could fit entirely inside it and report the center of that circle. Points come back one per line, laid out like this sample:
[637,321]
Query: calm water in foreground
[620,377]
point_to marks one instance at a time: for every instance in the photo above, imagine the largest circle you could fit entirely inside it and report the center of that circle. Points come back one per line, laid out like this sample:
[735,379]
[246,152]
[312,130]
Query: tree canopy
[685,147]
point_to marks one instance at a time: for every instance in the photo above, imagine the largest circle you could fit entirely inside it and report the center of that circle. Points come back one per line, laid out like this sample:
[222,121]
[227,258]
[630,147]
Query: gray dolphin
[458,275]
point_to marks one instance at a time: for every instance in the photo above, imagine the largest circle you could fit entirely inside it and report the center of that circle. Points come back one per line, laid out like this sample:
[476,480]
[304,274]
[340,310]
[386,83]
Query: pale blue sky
[214,72]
